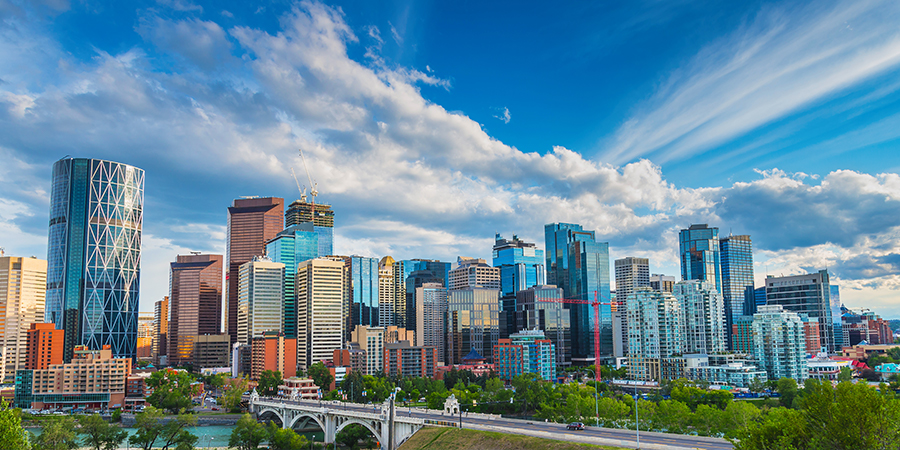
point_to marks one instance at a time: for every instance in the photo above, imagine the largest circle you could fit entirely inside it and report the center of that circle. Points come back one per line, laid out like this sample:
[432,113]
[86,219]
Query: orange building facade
[272,351]
[45,346]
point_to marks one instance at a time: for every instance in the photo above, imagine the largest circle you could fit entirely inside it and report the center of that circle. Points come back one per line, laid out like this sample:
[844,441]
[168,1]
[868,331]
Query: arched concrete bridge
[389,429]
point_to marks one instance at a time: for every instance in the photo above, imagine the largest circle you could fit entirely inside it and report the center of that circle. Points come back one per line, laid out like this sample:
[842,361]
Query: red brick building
[45,346]
[272,351]
[401,358]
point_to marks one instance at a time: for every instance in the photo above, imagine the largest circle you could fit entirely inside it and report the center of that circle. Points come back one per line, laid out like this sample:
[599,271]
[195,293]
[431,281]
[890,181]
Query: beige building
[260,298]
[371,341]
[387,314]
[94,379]
[474,272]
[23,287]
[211,350]
[320,320]
[160,329]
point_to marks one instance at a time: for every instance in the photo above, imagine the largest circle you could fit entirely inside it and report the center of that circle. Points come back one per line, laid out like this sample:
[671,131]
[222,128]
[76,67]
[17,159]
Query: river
[209,436]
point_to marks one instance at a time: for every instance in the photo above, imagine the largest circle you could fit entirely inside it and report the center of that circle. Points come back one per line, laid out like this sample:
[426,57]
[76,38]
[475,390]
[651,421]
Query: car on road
[575,426]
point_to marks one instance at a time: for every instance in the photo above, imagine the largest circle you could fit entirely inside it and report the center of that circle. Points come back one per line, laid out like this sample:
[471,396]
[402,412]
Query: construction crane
[2,251]
[313,187]
[302,190]
[596,305]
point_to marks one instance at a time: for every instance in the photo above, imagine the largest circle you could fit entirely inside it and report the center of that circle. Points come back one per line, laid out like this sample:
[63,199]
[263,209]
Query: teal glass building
[699,250]
[297,243]
[736,258]
[521,267]
[94,254]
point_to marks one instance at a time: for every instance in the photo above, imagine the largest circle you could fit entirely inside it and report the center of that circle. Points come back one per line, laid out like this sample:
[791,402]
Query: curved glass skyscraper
[94,254]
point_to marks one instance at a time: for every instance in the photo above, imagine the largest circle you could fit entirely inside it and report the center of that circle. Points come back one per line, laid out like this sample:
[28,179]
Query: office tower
[699,250]
[521,266]
[299,211]
[620,332]
[401,271]
[145,336]
[414,281]
[703,328]
[364,292]
[260,299]
[538,307]
[23,286]
[347,292]
[742,335]
[371,341]
[811,335]
[759,297]
[835,297]
[557,238]
[474,272]
[473,322]
[736,259]
[211,350]
[94,254]
[431,311]
[401,359]
[320,296]
[659,282]
[589,280]
[195,299]
[252,222]
[631,273]
[526,351]
[655,332]
[44,346]
[161,328]
[387,314]
[440,269]
[778,343]
[808,294]
[272,351]
[293,245]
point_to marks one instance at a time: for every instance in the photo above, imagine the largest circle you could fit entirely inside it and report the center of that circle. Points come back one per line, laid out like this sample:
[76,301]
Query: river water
[209,436]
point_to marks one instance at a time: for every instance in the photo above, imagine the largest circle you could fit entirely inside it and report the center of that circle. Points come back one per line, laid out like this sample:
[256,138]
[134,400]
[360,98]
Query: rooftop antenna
[302,190]
[196,253]
[2,252]
[313,187]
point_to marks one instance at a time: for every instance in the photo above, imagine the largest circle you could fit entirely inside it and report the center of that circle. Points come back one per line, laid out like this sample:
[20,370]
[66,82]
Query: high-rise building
[699,250]
[195,299]
[45,346]
[631,273]
[387,301]
[431,311]
[736,259]
[474,272]
[473,322]
[272,351]
[661,282]
[320,321]
[94,254]
[538,307]
[299,211]
[778,343]
[145,336]
[811,335]
[347,292]
[414,281]
[211,350]
[260,299]
[251,223]
[293,245]
[655,331]
[703,328]
[557,238]
[161,329]
[364,292]
[371,341]
[521,266]
[23,286]
[808,294]
[589,280]
[834,292]
[742,335]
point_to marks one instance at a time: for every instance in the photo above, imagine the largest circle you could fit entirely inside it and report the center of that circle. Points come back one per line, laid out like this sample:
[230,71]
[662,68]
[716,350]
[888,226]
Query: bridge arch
[301,415]
[264,410]
[375,429]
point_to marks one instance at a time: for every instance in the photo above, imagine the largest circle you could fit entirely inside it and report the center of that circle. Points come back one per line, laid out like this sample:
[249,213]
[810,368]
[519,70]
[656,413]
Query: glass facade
[297,243]
[699,250]
[736,258]
[808,294]
[534,310]
[415,280]
[557,237]
[473,323]
[364,291]
[94,254]
[589,280]
[195,299]
[521,267]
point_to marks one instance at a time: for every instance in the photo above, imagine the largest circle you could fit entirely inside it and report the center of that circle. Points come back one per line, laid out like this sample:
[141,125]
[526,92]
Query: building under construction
[301,211]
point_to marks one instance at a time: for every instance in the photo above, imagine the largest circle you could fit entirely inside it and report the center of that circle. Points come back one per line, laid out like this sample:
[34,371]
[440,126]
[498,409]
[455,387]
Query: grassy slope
[455,439]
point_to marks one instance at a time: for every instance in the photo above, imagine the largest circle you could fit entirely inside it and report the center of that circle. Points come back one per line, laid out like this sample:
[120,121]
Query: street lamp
[637,423]
[596,401]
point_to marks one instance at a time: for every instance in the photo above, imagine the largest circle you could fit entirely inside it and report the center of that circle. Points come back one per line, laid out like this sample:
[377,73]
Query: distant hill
[895,325]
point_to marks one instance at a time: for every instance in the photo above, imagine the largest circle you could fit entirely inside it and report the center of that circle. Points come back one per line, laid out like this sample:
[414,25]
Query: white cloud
[395,34]
[781,61]
[203,43]
[504,116]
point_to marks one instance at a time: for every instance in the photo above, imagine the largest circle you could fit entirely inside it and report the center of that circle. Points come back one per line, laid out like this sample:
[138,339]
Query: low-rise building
[403,359]
[527,351]
[94,379]
[821,367]
[272,351]
[864,351]
[303,388]
[352,357]
[136,390]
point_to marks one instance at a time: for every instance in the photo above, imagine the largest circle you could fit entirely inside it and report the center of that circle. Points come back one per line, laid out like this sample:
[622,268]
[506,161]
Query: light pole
[637,423]
[596,400]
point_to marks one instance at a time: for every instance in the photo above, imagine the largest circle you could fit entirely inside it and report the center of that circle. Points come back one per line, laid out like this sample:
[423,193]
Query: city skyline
[781,172]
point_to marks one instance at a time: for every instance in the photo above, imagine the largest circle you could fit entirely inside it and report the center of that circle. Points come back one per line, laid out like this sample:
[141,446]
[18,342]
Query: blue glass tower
[521,267]
[736,258]
[364,295]
[699,249]
[94,254]
[418,272]
[297,243]
[580,264]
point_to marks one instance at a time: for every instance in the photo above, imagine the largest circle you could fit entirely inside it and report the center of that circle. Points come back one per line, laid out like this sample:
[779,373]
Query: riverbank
[434,438]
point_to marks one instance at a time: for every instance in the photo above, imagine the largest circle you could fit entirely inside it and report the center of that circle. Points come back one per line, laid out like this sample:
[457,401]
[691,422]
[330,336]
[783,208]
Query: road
[590,435]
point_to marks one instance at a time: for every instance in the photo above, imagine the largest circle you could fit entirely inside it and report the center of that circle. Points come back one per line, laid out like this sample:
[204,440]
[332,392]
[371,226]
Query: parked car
[575,426]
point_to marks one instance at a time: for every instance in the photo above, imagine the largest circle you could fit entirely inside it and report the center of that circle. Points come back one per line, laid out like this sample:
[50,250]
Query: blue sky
[432,125]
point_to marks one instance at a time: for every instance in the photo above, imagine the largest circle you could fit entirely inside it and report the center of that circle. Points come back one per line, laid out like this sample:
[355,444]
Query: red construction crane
[596,304]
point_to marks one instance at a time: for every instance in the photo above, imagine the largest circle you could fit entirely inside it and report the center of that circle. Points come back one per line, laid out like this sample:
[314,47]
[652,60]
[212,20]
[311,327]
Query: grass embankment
[455,439]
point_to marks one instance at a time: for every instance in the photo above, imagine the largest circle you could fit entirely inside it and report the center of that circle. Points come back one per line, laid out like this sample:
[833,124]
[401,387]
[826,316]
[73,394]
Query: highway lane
[548,430]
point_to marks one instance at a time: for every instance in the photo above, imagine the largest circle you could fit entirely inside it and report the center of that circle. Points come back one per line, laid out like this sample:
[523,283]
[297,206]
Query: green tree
[100,434]
[172,390]
[321,376]
[231,399]
[756,385]
[780,429]
[353,385]
[152,431]
[285,438]
[672,416]
[57,433]
[116,416]
[787,387]
[247,434]
[845,375]
[851,416]
[531,390]
[11,432]
[269,381]
[737,416]
[351,435]
[493,386]
[707,420]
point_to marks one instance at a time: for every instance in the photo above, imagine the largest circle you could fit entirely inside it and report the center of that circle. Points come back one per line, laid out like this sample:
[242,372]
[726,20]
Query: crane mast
[313,188]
